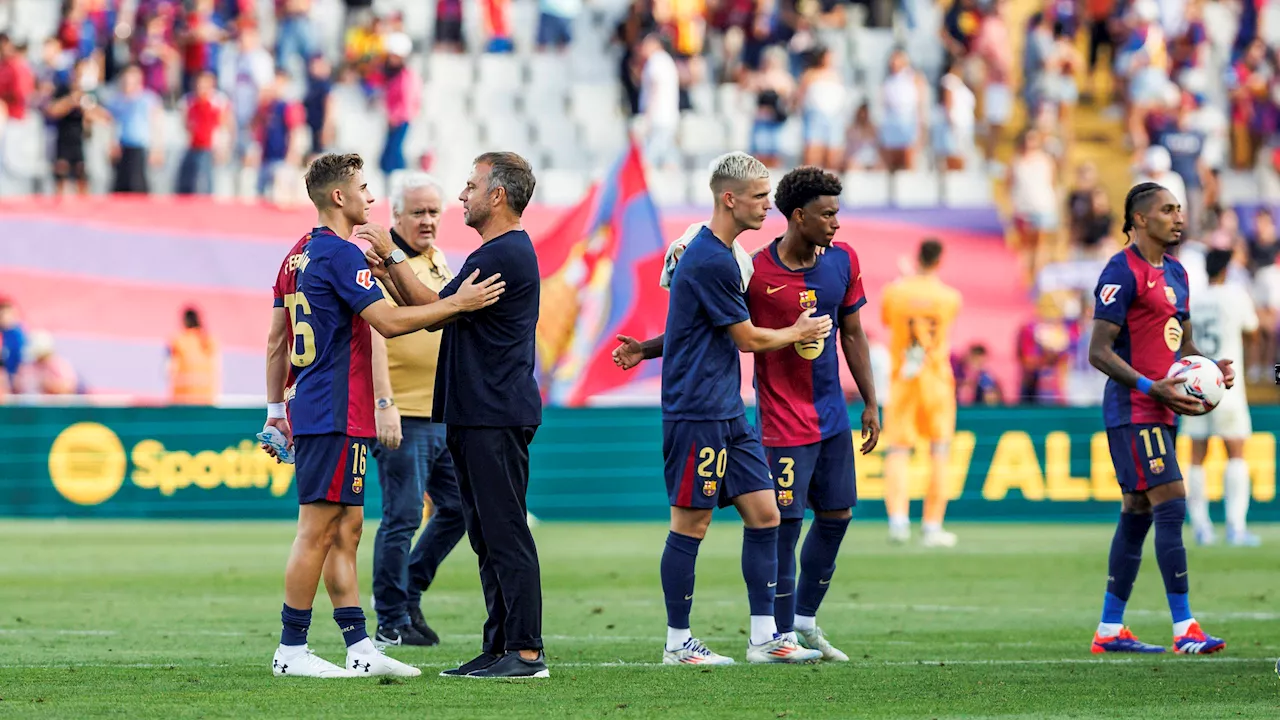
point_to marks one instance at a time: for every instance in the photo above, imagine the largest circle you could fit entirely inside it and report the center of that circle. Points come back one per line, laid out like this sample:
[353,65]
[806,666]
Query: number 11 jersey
[323,285]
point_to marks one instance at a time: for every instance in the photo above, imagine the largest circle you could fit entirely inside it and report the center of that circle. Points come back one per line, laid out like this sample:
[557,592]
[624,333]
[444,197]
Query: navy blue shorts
[331,467]
[711,462]
[1144,456]
[818,475]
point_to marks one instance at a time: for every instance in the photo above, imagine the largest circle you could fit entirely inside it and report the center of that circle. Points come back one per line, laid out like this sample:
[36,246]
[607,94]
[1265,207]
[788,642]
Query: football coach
[487,396]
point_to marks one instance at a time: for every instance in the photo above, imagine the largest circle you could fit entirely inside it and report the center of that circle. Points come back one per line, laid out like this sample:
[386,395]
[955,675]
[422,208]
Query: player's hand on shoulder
[1167,392]
[1228,373]
[377,236]
[813,327]
[473,295]
[628,354]
[376,266]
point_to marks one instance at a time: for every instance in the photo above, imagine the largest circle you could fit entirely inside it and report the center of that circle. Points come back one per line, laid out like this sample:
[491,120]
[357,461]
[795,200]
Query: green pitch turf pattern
[174,620]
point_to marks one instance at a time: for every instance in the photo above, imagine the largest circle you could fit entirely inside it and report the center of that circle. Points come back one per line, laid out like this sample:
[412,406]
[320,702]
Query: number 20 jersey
[323,285]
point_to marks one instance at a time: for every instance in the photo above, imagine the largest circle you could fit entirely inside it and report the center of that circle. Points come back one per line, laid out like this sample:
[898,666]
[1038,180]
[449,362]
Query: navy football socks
[295,625]
[1123,564]
[760,568]
[818,563]
[1172,555]
[784,603]
[678,560]
[351,622]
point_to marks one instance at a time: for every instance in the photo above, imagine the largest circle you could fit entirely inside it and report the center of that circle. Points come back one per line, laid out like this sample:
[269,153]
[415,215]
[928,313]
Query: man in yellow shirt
[195,363]
[411,452]
[918,311]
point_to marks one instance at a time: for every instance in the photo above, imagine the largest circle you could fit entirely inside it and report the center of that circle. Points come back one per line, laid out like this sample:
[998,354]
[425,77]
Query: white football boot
[304,663]
[366,660]
[815,639]
[693,652]
[938,539]
[781,649]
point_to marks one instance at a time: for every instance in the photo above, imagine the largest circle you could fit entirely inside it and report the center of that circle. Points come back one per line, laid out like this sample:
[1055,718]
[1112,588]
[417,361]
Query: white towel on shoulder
[745,263]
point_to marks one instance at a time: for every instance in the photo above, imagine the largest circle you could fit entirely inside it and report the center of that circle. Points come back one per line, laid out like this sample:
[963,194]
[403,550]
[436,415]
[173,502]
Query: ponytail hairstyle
[1137,194]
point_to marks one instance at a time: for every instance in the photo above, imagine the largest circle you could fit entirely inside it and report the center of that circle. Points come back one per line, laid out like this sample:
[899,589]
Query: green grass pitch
[175,620]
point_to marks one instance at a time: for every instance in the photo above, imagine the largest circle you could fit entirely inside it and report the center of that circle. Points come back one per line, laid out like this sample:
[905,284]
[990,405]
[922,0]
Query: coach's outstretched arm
[1164,390]
[391,321]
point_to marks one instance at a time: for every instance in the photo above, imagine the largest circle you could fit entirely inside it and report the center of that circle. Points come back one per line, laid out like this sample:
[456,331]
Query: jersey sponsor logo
[1170,296]
[772,290]
[1109,293]
[785,498]
[812,349]
[364,278]
[1173,334]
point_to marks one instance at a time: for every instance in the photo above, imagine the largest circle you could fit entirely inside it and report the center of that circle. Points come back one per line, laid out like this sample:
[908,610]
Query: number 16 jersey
[323,285]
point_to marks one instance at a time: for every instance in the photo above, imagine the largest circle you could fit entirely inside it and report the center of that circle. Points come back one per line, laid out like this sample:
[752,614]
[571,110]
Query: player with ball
[1141,329]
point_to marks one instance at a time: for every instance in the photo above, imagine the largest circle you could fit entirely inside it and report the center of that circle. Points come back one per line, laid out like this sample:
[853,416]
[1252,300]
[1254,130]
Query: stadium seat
[448,75]
[1238,187]
[508,134]
[499,73]
[491,102]
[917,188]
[594,100]
[669,188]
[966,189]
[866,189]
[702,135]
[560,187]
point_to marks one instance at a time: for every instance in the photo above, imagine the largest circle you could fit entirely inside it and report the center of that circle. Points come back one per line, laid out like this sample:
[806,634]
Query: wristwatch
[384,403]
[396,256]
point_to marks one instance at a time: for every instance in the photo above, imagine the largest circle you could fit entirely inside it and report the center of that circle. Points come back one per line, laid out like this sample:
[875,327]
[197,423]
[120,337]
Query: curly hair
[804,185]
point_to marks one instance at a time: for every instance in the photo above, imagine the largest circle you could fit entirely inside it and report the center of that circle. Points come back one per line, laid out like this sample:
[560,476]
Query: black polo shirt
[485,373]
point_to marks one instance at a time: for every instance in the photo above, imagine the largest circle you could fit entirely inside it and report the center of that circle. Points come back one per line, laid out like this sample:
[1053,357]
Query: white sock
[1197,501]
[364,647]
[1109,629]
[791,636]
[931,528]
[676,638]
[763,628]
[805,623]
[899,522]
[1236,490]
[1181,628]
[292,651]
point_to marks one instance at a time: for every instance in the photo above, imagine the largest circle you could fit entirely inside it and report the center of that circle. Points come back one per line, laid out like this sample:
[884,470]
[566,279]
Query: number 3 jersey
[323,285]
[798,391]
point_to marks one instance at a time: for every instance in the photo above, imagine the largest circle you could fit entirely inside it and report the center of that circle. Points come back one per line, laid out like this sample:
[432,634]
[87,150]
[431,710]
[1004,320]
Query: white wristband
[275,411]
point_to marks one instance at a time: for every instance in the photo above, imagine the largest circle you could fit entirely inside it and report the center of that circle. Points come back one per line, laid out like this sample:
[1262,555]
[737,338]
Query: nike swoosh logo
[688,597]
[772,584]
[770,291]
[1151,283]
[1181,574]
[824,582]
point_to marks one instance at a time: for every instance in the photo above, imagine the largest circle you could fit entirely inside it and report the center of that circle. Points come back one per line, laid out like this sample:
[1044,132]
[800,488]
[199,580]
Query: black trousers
[493,478]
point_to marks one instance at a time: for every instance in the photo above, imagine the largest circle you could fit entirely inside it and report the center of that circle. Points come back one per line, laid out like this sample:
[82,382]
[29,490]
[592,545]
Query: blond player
[919,310]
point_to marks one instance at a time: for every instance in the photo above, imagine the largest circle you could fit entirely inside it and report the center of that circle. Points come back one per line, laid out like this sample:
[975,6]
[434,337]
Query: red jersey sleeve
[854,296]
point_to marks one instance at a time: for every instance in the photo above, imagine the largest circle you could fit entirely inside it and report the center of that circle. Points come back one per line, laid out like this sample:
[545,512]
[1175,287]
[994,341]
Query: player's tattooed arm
[1104,357]
[1189,348]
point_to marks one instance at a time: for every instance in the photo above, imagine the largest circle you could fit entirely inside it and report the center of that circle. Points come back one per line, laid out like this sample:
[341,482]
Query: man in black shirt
[487,396]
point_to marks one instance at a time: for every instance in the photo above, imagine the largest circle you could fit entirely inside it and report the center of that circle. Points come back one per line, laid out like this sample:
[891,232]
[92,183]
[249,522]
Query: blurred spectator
[975,385]
[862,143]
[1037,54]
[1033,190]
[201,39]
[960,26]
[1103,26]
[1143,65]
[497,25]
[659,102]
[953,126]
[1045,346]
[1266,293]
[1080,200]
[1252,115]
[1186,149]
[905,113]
[821,100]
[1085,383]
[1157,167]
[555,23]
[72,111]
[254,70]
[157,57]
[1096,239]
[17,85]
[207,115]
[1264,248]
[276,126]
[195,363]
[638,24]
[449,37]
[1190,48]
[44,372]
[774,89]
[294,34]
[138,139]
[1061,68]
[318,102]
[403,100]
[994,50]
[13,339]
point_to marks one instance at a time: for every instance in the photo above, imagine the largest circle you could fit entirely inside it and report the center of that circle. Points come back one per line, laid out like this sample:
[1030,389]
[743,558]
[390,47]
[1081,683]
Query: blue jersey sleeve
[718,287]
[1115,292]
[1184,307]
[351,278]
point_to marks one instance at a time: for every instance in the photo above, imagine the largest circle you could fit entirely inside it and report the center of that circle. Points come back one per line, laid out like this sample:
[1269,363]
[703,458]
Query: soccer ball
[1204,379]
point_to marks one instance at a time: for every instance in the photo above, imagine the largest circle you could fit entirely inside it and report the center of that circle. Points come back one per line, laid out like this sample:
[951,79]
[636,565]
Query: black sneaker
[482,661]
[513,666]
[402,635]
[419,623]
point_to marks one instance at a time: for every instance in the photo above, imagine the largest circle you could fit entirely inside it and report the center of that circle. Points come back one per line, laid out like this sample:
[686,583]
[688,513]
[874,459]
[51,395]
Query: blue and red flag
[600,278]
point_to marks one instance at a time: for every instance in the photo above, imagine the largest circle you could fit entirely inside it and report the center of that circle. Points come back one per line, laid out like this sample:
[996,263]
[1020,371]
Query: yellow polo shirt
[412,358]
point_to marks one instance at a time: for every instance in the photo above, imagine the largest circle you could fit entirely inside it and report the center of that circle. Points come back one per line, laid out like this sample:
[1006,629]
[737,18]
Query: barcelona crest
[785,498]
[1157,465]
[808,299]
[709,488]
[1170,296]
[357,485]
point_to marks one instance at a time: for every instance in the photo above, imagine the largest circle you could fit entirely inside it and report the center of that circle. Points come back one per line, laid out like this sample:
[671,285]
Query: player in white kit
[1221,314]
